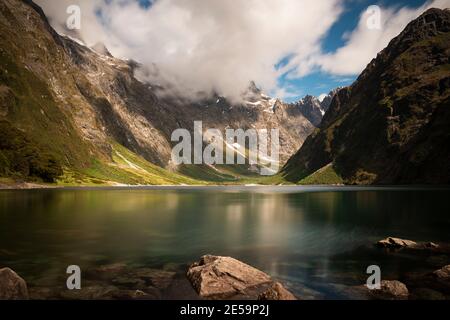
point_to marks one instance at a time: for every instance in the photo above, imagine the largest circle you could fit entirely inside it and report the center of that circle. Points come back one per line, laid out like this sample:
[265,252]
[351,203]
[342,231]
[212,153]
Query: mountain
[81,116]
[327,99]
[310,107]
[100,48]
[392,125]
[313,108]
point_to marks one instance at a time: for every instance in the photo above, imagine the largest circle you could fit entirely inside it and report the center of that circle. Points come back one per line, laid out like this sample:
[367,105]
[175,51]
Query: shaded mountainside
[90,115]
[392,125]
[58,110]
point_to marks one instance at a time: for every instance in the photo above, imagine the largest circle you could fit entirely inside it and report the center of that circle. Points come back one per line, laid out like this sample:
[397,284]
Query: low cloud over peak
[221,46]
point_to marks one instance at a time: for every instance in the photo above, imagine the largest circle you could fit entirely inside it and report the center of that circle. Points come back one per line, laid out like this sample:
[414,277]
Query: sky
[290,48]
[321,82]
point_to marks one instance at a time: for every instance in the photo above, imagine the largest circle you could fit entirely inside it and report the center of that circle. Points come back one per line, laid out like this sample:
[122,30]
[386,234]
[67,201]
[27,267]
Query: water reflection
[308,238]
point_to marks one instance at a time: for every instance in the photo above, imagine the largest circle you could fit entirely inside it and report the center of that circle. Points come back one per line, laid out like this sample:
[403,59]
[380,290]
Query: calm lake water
[312,239]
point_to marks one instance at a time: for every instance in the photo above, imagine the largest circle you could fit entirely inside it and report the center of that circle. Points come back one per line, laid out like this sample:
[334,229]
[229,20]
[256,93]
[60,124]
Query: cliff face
[314,109]
[77,104]
[392,125]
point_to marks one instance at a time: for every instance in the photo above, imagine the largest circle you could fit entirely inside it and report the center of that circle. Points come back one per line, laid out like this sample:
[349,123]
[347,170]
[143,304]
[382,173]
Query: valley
[193,152]
[85,119]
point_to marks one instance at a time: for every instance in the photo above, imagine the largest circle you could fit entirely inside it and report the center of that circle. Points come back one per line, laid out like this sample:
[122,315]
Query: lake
[313,239]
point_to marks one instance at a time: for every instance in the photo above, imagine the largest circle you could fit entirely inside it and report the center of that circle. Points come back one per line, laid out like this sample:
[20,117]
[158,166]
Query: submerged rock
[107,272]
[441,279]
[96,292]
[116,281]
[391,290]
[276,292]
[216,277]
[43,293]
[121,275]
[148,294]
[443,274]
[129,282]
[427,294]
[12,287]
[437,281]
[160,279]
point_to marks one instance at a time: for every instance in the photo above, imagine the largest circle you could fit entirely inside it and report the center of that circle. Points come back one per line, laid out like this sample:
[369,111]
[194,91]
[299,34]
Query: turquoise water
[313,239]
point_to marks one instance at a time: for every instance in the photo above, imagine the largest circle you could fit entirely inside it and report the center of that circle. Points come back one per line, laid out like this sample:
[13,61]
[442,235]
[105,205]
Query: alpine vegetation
[239,146]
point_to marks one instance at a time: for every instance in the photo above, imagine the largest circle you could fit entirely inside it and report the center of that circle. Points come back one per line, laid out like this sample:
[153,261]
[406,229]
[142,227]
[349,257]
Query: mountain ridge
[313,109]
[391,125]
[79,104]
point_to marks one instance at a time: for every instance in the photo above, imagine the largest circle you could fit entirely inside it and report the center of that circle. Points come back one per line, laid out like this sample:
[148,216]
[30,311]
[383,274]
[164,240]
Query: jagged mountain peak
[314,109]
[391,125]
[431,23]
[80,104]
[310,98]
[252,87]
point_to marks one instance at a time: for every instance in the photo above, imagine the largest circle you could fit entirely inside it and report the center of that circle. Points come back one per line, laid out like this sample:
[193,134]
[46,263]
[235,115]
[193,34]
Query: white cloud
[206,45]
[322,97]
[363,44]
[220,45]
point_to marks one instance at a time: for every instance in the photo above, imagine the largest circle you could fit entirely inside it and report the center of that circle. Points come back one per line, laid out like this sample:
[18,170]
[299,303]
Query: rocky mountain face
[78,104]
[392,125]
[314,109]
[256,111]
[326,101]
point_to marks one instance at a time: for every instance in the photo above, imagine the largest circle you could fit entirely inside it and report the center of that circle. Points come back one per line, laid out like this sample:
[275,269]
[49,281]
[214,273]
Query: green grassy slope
[391,125]
[324,176]
[34,126]
[126,168]
[38,141]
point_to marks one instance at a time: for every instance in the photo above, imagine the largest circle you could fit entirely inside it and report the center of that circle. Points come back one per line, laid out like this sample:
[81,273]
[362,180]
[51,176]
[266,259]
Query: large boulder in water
[438,280]
[391,290]
[12,287]
[395,243]
[216,277]
[441,279]
[443,274]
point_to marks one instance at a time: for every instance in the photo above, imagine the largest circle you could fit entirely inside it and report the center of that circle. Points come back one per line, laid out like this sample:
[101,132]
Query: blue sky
[319,82]
[290,48]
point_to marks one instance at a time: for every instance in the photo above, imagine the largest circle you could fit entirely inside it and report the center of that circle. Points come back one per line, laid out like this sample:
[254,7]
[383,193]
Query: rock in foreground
[216,277]
[12,287]
[276,292]
[391,290]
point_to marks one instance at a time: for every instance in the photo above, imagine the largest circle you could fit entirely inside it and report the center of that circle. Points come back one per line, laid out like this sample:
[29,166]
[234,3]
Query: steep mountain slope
[256,111]
[326,102]
[392,125]
[47,97]
[313,109]
[82,105]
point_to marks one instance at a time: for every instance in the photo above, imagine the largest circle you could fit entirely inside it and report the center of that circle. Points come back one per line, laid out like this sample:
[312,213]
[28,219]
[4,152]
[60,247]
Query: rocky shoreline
[212,278]
[225,278]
